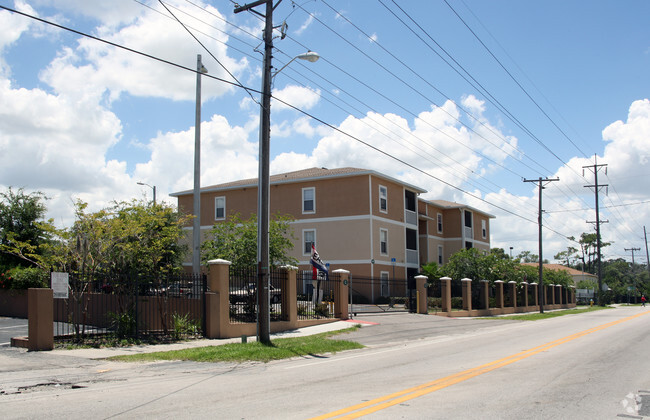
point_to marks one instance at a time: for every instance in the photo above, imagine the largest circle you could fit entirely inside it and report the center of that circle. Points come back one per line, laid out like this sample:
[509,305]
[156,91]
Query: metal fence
[243,295]
[369,294]
[131,307]
[316,296]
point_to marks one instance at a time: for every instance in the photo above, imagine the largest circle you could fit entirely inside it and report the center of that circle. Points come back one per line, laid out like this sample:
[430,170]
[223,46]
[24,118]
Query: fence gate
[368,295]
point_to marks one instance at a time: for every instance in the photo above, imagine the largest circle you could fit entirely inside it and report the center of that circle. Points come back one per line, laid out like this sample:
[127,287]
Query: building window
[309,200]
[308,239]
[439,223]
[484,228]
[383,199]
[440,250]
[383,241]
[220,208]
[385,291]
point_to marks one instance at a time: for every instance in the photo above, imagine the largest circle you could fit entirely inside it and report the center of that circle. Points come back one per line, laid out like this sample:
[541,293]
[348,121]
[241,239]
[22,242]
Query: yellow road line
[399,397]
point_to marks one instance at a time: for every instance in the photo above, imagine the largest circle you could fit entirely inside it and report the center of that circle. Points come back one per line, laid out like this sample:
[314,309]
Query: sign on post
[60,283]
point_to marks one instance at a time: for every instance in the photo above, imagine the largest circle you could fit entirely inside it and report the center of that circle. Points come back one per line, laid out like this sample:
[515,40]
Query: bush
[322,309]
[23,278]
[122,324]
[183,326]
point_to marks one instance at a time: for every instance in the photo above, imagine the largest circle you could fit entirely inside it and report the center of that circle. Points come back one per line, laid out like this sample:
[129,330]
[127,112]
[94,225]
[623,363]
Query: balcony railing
[469,232]
[412,256]
[410,217]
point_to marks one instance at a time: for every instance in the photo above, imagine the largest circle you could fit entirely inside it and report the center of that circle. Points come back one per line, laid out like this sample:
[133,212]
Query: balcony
[412,256]
[410,217]
[469,232]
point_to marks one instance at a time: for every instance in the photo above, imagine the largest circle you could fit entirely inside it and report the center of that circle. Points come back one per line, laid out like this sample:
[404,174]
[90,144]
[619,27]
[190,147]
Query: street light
[263,187]
[153,188]
[196,227]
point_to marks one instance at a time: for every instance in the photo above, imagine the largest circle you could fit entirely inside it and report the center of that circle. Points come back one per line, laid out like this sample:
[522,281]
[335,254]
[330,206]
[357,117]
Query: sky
[466,99]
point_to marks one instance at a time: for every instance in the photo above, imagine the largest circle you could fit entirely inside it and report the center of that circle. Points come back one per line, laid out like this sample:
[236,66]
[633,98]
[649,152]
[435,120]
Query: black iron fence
[170,306]
[242,291]
[316,295]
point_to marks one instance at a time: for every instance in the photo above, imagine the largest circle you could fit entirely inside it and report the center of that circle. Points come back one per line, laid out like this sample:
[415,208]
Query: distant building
[359,220]
[576,275]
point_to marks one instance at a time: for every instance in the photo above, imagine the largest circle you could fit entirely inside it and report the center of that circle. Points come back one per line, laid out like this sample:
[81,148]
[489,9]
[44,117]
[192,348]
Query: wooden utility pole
[263,213]
[540,285]
[595,168]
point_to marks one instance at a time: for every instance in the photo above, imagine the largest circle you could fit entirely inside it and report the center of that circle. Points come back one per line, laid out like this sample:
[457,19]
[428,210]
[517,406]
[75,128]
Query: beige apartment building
[360,220]
[446,227]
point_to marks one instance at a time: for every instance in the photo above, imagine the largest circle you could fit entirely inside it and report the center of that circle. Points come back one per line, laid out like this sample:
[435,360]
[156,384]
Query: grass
[281,348]
[537,316]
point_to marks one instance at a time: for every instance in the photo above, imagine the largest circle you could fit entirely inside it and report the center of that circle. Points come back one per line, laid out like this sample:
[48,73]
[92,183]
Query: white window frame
[383,234]
[439,221]
[313,200]
[484,228]
[216,208]
[440,254]
[304,240]
[383,195]
[384,283]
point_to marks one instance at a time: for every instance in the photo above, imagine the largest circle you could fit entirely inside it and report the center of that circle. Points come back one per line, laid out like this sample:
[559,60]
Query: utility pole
[595,168]
[647,257]
[540,288]
[632,249]
[263,314]
[196,229]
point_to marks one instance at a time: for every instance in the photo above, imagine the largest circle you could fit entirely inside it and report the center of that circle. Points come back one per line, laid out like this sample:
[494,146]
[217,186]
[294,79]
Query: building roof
[299,176]
[557,267]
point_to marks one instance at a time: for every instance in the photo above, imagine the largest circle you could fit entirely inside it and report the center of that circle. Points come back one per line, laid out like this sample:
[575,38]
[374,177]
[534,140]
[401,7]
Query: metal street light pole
[263,211]
[153,188]
[196,227]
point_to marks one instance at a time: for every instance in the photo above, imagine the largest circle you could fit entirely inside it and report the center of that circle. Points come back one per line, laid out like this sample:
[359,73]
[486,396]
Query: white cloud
[306,24]
[298,96]
[116,70]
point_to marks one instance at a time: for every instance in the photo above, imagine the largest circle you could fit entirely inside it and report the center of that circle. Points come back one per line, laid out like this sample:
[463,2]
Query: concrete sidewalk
[102,353]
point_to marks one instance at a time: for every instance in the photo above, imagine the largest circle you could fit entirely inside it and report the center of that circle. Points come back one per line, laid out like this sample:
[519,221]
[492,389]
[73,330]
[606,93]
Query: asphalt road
[587,366]
[11,327]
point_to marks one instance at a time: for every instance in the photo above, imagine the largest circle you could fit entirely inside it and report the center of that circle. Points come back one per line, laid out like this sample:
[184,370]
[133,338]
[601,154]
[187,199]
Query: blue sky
[83,120]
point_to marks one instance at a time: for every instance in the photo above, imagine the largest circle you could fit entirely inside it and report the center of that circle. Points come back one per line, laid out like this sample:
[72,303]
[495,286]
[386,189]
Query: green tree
[235,240]
[126,238]
[26,238]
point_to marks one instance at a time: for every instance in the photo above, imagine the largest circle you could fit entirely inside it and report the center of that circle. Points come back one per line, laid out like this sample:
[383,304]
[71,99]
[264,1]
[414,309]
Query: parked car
[176,289]
[244,294]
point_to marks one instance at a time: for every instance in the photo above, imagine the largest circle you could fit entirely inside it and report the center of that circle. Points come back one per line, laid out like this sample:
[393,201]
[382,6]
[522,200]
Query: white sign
[60,285]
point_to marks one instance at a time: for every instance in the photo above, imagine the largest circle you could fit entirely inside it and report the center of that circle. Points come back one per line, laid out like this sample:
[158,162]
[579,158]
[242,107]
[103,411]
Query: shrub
[322,309]
[123,324]
[23,278]
[457,303]
[183,326]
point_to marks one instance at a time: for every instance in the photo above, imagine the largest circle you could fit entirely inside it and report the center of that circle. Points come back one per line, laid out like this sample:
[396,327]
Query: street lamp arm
[310,56]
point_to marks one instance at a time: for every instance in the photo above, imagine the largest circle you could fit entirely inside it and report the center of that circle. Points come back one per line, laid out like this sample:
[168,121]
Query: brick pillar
[40,313]
[558,292]
[525,292]
[512,286]
[341,298]
[535,294]
[573,294]
[467,293]
[499,294]
[550,293]
[218,300]
[485,294]
[445,293]
[289,294]
[422,306]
